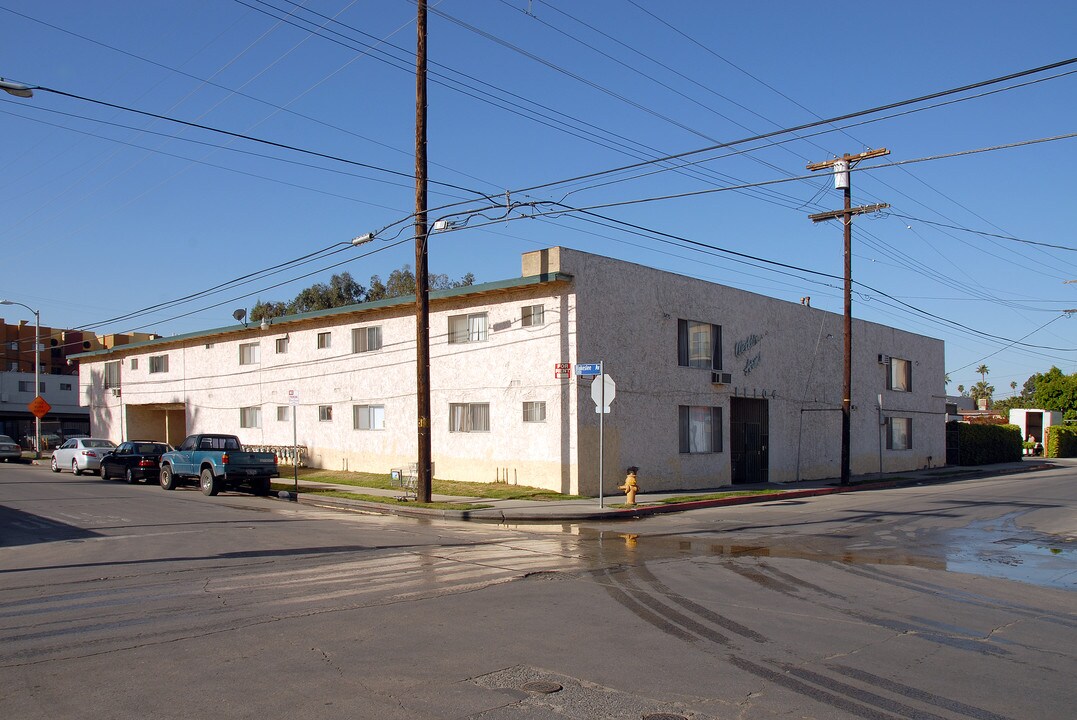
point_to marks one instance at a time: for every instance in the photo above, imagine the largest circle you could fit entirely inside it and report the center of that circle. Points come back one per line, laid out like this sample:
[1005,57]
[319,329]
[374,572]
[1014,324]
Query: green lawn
[382,499]
[494,491]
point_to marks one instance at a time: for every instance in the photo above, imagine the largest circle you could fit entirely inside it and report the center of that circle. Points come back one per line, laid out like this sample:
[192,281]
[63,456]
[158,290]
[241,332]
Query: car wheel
[209,483]
[129,476]
[261,487]
[104,473]
[55,465]
[75,467]
[168,480]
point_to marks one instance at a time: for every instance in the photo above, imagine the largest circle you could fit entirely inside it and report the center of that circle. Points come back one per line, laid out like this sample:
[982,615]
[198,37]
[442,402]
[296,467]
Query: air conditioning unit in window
[115,392]
[721,378]
[883,359]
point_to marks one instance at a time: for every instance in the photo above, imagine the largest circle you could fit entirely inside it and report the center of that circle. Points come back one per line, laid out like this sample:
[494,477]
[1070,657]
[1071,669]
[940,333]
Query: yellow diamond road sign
[39,407]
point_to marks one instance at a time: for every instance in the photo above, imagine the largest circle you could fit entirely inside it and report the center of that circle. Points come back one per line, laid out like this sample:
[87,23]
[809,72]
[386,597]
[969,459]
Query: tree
[342,290]
[1013,386]
[1056,391]
[983,373]
[961,390]
[401,283]
[982,390]
[268,310]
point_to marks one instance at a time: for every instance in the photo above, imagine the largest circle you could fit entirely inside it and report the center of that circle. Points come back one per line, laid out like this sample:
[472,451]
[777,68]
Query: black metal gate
[749,435]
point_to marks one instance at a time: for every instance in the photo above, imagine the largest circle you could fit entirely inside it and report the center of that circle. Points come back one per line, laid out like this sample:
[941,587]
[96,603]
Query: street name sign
[588,368]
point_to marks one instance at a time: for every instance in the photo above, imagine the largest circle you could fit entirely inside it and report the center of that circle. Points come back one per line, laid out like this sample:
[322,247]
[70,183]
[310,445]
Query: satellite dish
[239,314]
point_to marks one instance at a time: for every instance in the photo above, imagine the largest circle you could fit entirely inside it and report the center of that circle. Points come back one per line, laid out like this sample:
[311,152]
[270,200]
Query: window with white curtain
[467,328]
[325,340]
[699,345]
[898,433]
[250,353]
[700,429]
[366,339]
[112,374]
[282,345]
[469,417]
[368,417]
[284,413]
[900,376]
[250,417]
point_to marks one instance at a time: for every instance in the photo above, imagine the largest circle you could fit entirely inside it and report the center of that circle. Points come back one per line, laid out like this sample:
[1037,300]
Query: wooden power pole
[422,285]
[841,167]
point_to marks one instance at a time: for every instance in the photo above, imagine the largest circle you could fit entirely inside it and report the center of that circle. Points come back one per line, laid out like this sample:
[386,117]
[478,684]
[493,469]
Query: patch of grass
[381,499]
[494,491]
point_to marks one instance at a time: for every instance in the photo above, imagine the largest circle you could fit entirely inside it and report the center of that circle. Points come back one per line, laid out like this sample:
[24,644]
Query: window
[158,363]
[533,316]
[366,339]
[28,386]
[282,345]
[700,429]
[699,345]
[368,417]
[534,412]
[134,363]
[469,417]
[284,413]
[65,387]
[13,366]
[112,374]
[13,346]
[325,340]
[250,417]
[467,328]
[325,413]
[250,353]
[899,375]
[898,433]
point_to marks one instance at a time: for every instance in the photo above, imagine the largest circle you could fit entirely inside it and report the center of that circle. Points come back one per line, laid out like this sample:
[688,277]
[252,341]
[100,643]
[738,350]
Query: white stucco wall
[622,314]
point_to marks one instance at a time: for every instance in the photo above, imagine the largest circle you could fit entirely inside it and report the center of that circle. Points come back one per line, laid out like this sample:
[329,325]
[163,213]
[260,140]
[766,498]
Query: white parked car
[81,454]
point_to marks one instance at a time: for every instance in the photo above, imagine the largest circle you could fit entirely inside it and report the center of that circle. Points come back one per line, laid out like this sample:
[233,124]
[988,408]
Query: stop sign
[603,390]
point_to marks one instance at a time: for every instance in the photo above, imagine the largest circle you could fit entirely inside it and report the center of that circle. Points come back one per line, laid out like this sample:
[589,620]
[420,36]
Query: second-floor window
[368,417]
[532,316]
[158,363]
[325,340]
[65,387]
[899,375]
[469,417]
[28,386]
[250,353]
[325,413]
[282,345]
[699,345]
[534,412]
[366,339]
[112,374]
[134,363]
[284,413]
[467,328]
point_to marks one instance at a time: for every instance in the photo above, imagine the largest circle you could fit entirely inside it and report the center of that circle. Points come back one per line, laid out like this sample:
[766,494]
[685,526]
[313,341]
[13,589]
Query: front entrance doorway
[749,431]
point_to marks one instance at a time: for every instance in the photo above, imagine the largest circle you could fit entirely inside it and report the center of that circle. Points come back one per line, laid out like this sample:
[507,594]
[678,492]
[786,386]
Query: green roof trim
[481,289]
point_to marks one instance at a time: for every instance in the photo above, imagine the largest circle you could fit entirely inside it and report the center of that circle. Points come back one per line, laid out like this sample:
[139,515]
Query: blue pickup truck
[219,463]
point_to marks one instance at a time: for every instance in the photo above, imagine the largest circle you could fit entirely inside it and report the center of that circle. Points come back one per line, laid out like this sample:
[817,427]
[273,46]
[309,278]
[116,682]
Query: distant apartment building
[714,385]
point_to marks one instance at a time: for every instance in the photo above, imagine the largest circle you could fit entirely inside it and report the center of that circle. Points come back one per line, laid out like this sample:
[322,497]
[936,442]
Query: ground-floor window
[535,412]
[700,429]
[368,417]
[469,417]
[898,433]
[250,417]
[325,413]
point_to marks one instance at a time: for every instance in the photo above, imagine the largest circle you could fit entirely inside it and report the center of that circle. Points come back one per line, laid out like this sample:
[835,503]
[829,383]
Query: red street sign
[39,407]
[562,371]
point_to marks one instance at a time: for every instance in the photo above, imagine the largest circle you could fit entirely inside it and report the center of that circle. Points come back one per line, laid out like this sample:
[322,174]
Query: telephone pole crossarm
[835,214]
[851,159]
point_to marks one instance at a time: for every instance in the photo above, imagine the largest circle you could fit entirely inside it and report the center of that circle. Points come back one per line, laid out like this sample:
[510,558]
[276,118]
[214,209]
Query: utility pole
[841,167]
[422,286]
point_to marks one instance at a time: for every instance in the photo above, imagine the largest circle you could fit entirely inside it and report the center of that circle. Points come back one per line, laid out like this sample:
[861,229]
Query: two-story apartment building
[714,385]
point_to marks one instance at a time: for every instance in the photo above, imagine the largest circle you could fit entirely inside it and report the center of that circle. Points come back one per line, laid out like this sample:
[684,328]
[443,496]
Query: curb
[523,515]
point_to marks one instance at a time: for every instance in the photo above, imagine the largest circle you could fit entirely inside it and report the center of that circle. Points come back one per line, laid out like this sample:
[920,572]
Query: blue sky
[108,212]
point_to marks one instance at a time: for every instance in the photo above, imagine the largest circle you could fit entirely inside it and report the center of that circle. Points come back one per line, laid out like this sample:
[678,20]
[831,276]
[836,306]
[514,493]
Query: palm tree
[961,390]
[1013,386]
[983,372]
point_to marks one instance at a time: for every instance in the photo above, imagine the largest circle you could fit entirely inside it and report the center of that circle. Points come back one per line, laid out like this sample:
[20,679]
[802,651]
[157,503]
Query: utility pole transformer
[842,166]
[422,285]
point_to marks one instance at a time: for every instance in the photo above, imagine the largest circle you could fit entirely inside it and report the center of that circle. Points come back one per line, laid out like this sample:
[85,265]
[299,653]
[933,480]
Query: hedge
[987,444]
[1061,441]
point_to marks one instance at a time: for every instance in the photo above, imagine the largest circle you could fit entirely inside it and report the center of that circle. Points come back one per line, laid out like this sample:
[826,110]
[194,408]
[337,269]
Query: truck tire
[209,482]
[168,479]
[260,487]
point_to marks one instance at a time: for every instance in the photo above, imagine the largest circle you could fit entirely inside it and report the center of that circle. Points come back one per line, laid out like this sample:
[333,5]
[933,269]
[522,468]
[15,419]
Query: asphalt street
[951,601]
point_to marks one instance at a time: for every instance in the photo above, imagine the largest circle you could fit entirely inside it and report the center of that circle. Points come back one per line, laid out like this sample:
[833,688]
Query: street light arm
[16,88]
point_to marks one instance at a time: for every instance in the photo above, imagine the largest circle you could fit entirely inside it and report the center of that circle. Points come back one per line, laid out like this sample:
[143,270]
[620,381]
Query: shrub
[986,444]
[1061,441]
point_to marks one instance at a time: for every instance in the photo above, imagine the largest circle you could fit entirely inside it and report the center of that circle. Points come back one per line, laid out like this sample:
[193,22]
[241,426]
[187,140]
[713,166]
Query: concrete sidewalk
[613,508]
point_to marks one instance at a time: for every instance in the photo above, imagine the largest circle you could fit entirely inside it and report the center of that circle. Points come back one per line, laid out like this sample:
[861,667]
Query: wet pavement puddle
[999,548]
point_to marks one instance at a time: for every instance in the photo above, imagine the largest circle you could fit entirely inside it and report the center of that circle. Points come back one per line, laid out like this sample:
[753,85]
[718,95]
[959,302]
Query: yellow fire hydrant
[630,488]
